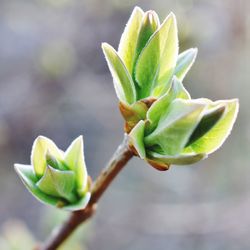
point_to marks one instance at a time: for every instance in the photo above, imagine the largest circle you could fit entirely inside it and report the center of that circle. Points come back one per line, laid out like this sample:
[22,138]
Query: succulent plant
[55,177]
[164,124]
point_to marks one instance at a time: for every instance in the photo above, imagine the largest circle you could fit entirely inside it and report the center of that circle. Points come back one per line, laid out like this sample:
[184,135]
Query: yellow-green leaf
[58,183]
[208,121]
[128,42]
[41,146]
[156,63]
[184,62]
[80,204]
[136,137]
[183,159]
[74,159]
[149,25]
[123,82]
[169,48]
[212,140]
[160,106]
[29,179]
[174,130]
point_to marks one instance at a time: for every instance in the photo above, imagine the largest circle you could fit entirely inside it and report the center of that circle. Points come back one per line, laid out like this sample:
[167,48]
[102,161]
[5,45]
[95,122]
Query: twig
[120,158]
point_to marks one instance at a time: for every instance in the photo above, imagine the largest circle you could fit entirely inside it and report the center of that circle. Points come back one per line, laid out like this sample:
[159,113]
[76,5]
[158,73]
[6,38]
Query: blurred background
[54,81]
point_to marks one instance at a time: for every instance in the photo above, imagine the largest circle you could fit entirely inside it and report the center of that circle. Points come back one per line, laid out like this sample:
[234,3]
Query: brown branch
[120,158]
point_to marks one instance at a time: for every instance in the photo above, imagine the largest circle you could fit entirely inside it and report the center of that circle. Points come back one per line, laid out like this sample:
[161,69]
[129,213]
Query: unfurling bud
[180,130]
[164,124]
[55,177]
[146,62]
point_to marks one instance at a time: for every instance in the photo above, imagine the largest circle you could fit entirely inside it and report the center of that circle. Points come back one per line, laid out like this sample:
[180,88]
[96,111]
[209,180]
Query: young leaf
[147,65]
[155,112]
[123,82]
[209,119]
[184,62]
[169,48]
[29,179]
[173,132]
[58,183]
[212,140]
[149,25]
[136,139]
[183,159]
[80,204]
[128,42]
[157,60]
[74,159]
[53,162]
[38,154]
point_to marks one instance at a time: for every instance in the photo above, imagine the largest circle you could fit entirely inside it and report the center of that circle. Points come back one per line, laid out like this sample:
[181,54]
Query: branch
[120,158]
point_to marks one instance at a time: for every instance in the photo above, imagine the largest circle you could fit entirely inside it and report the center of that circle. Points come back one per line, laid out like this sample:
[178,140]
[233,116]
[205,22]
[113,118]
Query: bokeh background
[54,81]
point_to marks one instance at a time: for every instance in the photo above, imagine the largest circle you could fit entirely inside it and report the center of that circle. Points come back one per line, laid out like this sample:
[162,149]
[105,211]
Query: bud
[55,177]
[180,130]
[146,61]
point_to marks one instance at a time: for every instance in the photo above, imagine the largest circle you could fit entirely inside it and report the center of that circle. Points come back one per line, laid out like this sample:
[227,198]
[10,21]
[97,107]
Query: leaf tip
[104,45]
[16,167]
[237,106]
[137,9]
[194,52]
[172,17]
[79,139]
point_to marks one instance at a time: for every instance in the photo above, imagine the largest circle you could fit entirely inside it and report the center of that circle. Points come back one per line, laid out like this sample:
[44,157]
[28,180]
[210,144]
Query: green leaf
[213,139]
[38,154]
[80,204]
[146,67]
[184,62]
[169,48]
[160,106]
[128,42]
[136,139]
[58,183]
[29,179]
[53,162]
[149,25]
[183,159]
[156,63]
[208,121]
[123,82]
[173,132]
[74,159]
